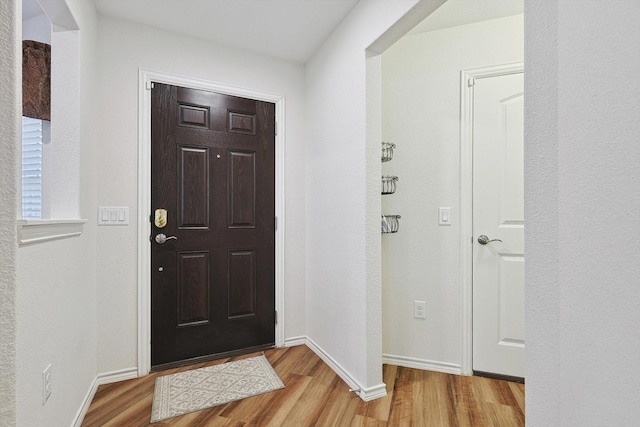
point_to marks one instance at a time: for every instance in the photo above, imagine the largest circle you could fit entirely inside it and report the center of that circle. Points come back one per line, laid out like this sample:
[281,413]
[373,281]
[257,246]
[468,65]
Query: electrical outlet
[46,384]
[419,310]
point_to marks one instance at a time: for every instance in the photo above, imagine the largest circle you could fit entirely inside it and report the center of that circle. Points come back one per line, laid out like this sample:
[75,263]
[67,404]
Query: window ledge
[41,230]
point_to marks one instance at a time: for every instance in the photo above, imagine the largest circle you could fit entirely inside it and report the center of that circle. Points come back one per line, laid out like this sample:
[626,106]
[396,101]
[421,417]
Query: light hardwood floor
[315,396]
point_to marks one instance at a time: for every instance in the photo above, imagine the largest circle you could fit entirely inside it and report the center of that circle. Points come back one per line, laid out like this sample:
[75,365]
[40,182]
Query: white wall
[582,204]
[10,113]
[56,299]
[421,115]
[124,48]
[37,28]
[343,283]
[542,303]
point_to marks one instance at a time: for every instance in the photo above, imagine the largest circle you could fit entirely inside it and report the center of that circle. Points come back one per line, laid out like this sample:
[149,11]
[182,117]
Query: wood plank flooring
[315,396]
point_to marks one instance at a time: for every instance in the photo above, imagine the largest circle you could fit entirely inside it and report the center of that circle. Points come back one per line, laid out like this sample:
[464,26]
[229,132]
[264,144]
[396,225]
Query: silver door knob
[161,238]
[483,240]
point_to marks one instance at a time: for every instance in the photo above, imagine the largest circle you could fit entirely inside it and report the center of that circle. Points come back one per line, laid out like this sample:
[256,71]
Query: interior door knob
[161,238]
[483,240]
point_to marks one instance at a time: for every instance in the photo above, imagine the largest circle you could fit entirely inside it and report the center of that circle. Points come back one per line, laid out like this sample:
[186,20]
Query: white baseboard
[294,341]
[115,376]
[104,378]
[375,392]
[366,394]
[77,422]
[425,365]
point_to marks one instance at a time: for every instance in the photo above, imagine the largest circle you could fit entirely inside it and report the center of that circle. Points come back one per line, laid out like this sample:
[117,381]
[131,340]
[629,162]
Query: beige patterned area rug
[203,388]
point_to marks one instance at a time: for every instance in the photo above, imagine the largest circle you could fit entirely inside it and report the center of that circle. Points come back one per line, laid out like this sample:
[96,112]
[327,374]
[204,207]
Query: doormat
[190,391]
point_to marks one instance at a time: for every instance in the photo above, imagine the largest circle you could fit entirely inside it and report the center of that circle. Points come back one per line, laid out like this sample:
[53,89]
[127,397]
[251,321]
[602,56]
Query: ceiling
[461,12]
[287,29]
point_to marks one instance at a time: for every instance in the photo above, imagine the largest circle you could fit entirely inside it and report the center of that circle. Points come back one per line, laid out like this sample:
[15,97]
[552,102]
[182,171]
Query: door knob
[483,240]
[161,238]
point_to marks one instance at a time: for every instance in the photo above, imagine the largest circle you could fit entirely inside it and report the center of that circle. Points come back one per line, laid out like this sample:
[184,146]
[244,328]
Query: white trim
[117,376]
[423,364]
[100,379]
[144,199]
[82,412]
[466,199]
[295,341]
[366,394]
[373,393]
[144,226]
[37,231]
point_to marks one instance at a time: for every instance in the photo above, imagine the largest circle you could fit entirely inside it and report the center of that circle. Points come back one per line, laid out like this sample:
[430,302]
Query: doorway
[212,245]
[146,81]
[428,263]
[492,142]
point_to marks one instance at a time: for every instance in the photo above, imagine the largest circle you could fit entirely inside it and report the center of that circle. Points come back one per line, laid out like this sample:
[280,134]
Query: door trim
[466,199]
[145,79]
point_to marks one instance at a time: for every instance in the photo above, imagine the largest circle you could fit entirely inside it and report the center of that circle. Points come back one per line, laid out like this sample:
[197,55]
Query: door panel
[193,288]
[498,212]
[242,283]
[213,170]
[193,187]
[511,316]
[242,189]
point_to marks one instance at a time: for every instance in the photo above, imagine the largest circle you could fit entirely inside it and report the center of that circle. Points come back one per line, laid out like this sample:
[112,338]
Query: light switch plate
[444,216]
[113,215]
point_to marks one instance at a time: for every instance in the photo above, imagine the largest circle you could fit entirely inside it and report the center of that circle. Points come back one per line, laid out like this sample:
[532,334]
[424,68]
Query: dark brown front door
[213,171]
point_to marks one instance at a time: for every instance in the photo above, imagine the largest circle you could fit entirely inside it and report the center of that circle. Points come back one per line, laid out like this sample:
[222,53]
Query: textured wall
[582,198]
[343,264]
[542,304]
[161,51]
[56,303]
[10,62]
[64,177]
[421,111]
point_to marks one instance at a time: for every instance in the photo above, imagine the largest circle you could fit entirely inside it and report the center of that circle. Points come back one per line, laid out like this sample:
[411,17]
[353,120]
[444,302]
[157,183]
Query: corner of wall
[372,223]
[343,238]
[10,87]
[542,312]
[56,308]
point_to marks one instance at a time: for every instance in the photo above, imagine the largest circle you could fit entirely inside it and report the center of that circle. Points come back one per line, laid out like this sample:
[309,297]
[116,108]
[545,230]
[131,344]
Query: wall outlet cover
[419,309]
[47,388]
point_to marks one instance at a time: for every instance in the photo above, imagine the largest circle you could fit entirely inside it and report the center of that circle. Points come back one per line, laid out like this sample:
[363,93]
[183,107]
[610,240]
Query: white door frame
[467,80]
[145,79]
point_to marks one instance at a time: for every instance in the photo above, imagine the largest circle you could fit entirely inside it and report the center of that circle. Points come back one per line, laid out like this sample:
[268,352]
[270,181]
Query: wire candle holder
[389,184]
[387,151]
[390,223]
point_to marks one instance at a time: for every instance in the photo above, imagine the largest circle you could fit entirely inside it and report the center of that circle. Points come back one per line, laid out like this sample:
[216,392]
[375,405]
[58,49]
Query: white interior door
[498,213]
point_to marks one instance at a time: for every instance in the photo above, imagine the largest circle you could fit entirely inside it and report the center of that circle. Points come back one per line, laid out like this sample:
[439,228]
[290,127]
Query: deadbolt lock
[160,218]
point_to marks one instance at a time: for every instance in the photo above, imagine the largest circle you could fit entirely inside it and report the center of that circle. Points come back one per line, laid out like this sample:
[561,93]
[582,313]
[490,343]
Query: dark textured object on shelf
[36,80]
